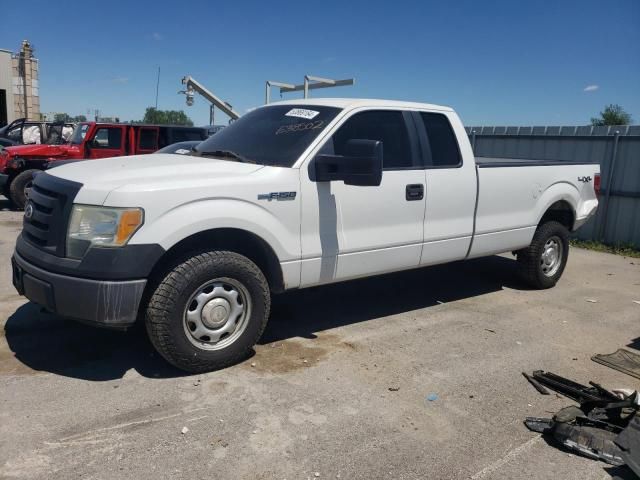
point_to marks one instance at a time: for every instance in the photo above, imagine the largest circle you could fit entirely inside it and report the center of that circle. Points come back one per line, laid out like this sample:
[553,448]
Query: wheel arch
[235,240]
[560,211]
[559,202]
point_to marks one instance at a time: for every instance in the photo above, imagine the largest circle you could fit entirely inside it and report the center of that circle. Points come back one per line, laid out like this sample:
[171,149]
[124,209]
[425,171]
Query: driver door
[351,231]
[107,142]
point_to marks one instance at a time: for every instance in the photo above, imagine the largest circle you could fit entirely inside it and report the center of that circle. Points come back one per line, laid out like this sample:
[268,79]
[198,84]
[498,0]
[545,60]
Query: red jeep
[89,140]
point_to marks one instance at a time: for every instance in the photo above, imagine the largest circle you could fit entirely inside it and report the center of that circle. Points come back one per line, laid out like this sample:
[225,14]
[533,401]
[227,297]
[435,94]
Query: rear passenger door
[366,230]
[147,139]
[451,189]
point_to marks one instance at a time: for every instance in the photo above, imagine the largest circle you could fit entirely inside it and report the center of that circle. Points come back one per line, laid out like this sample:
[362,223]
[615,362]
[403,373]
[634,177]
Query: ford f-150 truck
[89,140]
[291,195]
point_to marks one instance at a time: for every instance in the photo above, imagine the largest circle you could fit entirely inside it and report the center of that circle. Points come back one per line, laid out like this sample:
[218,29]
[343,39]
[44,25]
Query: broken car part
[629,443]
[573,390]
[535,384]
[622,360]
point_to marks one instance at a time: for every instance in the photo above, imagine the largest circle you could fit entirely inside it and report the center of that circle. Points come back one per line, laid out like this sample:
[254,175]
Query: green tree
[79,118]
[612,115]
[61,117]
[166,117]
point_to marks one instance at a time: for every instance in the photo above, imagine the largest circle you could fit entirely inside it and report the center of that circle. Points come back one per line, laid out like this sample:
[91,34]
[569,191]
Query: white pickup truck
[291,195]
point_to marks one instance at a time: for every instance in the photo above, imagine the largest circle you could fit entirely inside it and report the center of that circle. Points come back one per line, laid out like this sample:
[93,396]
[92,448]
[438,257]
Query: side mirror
[361,165]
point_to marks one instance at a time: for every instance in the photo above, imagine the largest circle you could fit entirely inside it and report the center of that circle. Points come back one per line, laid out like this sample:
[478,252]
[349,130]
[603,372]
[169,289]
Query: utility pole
[157,86]
[23,74]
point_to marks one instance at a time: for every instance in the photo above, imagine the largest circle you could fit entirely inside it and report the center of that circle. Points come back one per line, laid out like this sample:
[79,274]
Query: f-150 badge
[277,196]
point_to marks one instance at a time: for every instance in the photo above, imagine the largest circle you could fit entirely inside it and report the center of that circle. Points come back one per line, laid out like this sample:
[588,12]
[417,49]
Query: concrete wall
[14,73]
[616,149]
[5,81]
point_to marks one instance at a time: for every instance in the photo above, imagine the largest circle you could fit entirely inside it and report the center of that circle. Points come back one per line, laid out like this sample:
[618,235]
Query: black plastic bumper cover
[4,178]
[106,303]
[123,263]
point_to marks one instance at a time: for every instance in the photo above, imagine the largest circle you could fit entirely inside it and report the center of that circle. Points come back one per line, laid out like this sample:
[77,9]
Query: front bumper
[112,304]
[4,178]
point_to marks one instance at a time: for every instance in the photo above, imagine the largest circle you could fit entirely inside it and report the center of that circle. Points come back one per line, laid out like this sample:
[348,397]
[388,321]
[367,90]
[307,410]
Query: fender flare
[558,192]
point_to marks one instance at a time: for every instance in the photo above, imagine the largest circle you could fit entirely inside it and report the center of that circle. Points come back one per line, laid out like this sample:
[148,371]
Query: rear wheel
[541,264]
[208,311]
[20,187]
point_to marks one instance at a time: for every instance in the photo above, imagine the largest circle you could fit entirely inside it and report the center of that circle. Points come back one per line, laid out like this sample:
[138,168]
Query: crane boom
[192,85]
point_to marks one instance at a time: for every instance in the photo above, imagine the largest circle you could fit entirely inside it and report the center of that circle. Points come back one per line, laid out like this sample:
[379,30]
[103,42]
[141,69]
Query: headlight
[103,226]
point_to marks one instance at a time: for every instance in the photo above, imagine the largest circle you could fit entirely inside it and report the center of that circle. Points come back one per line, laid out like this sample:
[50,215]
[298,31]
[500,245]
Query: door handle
[414,191]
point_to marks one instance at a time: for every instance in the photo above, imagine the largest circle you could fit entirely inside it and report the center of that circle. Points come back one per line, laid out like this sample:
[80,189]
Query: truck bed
[511,201]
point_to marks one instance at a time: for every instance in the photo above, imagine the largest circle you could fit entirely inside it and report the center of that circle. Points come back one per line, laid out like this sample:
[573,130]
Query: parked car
[211,129]
[90,140]
[24,132]
[291,195]
[180,148]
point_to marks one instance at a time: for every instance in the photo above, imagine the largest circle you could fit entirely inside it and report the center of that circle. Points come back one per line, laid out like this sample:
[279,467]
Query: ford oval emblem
[28,211]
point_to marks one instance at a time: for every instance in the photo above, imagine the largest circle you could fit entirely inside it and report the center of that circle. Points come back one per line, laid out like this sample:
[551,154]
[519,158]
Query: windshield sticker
[300,127]
[302,113]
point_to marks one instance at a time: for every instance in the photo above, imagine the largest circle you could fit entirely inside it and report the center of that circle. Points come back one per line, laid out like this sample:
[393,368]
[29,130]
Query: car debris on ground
[622,360]
[604,426]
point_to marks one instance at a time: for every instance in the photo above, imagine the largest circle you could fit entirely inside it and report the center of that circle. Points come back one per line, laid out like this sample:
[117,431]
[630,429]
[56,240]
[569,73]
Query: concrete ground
[337,387]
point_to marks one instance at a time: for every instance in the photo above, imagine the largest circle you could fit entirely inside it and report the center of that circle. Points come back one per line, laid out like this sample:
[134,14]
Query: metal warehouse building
[19,95]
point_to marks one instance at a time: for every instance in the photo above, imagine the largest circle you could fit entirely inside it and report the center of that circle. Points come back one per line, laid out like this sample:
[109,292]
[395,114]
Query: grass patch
[623,249]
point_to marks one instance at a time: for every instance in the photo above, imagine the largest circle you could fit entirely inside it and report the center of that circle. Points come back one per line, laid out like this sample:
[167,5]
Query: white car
[293,194]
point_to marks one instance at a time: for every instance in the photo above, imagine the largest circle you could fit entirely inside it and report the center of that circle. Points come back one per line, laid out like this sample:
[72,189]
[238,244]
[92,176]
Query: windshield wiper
[226,154]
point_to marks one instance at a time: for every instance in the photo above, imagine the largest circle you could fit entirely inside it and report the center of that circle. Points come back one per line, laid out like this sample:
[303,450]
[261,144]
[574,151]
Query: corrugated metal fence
[616,149]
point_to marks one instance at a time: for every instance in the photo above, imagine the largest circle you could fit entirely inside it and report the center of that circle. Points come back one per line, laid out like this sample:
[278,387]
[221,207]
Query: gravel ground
[337,388]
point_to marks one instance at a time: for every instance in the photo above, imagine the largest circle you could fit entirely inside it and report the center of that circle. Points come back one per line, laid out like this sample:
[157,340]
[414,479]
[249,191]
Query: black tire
[19,187]
[173,293]
[533,266]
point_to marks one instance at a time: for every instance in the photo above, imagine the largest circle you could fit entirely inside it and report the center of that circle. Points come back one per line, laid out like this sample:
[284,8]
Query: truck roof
[362,102]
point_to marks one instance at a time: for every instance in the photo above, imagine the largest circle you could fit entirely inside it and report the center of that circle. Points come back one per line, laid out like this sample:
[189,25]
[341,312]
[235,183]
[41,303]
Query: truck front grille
[47,212]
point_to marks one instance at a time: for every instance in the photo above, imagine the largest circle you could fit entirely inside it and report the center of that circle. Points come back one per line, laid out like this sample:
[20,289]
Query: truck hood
[145,172]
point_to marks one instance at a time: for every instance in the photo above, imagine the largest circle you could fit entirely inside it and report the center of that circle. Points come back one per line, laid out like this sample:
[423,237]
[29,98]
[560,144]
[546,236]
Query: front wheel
[541,264]
[20,187]
[208,311]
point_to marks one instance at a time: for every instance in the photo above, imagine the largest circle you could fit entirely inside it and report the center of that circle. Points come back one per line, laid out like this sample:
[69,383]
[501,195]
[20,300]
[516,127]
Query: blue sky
[497,63]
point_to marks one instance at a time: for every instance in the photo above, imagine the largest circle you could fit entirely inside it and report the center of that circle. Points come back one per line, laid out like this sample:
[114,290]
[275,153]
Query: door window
[15,134]
[108,138]
[442,141]
[387,126]
[184,135]
[148,139]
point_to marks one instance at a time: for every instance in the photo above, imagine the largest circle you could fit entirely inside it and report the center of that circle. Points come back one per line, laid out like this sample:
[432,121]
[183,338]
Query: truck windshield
[79,134]
[275,135]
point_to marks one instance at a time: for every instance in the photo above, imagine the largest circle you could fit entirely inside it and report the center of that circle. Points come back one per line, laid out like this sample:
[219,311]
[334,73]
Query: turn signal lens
[130,220]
